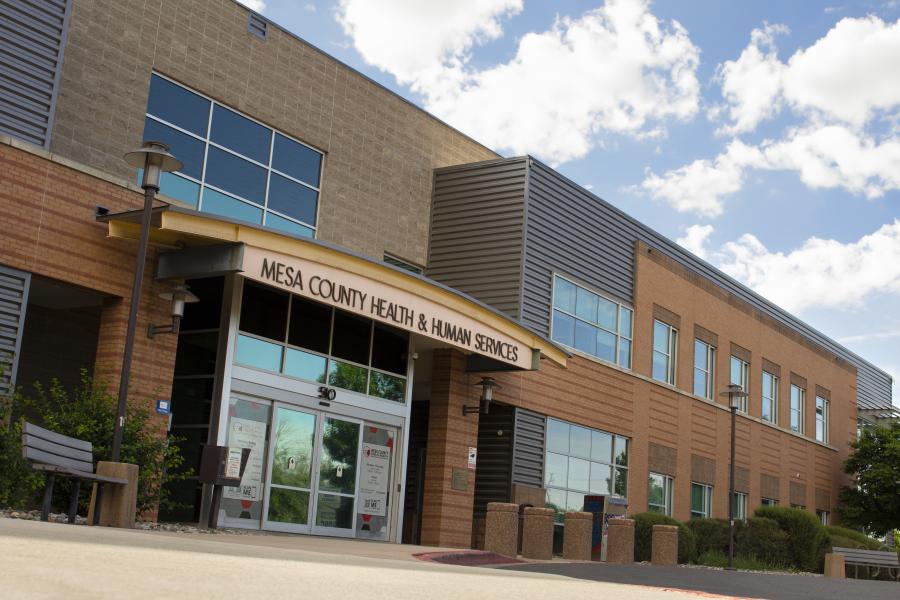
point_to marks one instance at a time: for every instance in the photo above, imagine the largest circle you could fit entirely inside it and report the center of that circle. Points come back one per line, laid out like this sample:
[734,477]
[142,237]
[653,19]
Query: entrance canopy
[335,276]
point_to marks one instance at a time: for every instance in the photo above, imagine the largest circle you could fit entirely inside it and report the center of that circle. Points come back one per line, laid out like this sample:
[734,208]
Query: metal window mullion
[268,177]
[176,127]
[291,177]
[289,218]
[205,158]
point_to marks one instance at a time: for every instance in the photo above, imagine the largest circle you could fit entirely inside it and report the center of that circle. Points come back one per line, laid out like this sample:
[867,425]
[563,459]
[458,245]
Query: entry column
[449,484]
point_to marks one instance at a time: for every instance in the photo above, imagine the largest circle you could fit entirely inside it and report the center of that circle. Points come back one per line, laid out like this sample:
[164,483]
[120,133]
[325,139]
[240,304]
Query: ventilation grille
[13,301]
[32,36]
[257,26]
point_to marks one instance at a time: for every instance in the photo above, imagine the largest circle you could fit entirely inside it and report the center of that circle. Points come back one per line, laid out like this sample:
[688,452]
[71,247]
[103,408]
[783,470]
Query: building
[360,268]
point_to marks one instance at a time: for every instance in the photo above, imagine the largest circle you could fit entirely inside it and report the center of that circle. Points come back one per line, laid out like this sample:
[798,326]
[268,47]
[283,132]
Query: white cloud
[257,5]
[309,7]
[867,337]
[820,273]
[695,238]
[614,69]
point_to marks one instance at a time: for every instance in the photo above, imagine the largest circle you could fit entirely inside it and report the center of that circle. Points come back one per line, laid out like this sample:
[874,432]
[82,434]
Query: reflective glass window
[579,441]
[389,347]
[563,328]
[586,305]
[585,337]
[304,365]
[232,208]
[179,188]
[557,436]
[258,354]
[264,311]
[564,294]
[236,175]
[310,325]
[240,134]
[296,160]
[188,149]
[579,474]
[273,221]
[607,314]
[178,106]
[389,387]
[351,338]
[347,376]
[556,470]
[601,446]
[292,199]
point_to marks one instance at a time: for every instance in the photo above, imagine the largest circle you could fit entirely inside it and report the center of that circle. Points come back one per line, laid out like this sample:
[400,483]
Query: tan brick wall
[380,150]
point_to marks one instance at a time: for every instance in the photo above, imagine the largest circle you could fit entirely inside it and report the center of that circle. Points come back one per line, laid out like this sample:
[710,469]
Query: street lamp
[154,159]
[734,393]
[178,296]
[487,394]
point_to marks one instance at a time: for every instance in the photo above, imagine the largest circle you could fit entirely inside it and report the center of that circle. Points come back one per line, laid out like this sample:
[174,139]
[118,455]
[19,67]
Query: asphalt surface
[725,583]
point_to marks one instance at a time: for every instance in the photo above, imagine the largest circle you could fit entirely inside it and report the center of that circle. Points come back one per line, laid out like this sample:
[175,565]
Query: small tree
[874,504]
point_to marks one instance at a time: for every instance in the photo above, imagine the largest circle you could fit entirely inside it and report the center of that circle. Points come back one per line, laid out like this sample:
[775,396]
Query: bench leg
[48,496]
[98,502]
[73,502]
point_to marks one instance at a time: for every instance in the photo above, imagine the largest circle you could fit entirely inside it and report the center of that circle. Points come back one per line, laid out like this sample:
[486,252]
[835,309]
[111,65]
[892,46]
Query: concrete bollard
[577,536]
[620,541]
[834,566]
[118,503]
[664,546]
[537,533]
[501,529]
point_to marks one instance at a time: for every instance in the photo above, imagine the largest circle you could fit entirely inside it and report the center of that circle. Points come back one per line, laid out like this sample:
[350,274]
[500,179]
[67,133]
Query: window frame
[773,399]
[763,501]
[671,357]
[706,510]
[823,516]
[824,419]
[799,411]
[710,373]
[744,366]
[740,504]
[269,169]
[668,486]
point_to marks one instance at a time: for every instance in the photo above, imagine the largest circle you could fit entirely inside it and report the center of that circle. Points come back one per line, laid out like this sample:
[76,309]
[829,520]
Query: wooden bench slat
[57,449]
[874,558]
[63,472]
[57,438]
[56,460]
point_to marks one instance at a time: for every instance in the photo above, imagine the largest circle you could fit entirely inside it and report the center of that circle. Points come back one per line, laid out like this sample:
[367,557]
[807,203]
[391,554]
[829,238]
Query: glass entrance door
[292,453]
[338,474]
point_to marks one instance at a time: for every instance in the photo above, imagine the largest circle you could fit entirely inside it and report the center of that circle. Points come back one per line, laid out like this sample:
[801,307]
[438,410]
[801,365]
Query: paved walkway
[53,560]
[735,584]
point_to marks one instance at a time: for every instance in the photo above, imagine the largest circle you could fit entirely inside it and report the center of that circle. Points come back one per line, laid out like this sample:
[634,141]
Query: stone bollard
[834,566]
[537,533]
[664,546]
[501,529]
[620,541]
[118,503]
[577,536]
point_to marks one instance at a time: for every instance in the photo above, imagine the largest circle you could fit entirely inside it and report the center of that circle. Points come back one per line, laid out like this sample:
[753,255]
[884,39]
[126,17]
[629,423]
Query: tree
[874,503]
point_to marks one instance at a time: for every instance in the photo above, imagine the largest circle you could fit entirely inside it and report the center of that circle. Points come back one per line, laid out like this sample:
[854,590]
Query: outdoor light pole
[734,393]
[154,159]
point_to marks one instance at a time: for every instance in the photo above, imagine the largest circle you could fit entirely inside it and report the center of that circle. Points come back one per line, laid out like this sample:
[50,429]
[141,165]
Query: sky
[763,136]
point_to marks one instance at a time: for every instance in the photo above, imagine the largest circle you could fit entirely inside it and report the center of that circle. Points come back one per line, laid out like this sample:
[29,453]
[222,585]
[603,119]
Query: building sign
[382,302]
[373,481]
[244,433]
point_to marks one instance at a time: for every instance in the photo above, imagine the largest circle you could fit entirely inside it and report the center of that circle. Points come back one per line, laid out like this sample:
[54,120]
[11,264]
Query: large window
[701,501]
[582,461]
[233,166]
[823,517]
[739,505]
[821,419]
[286,334]
[591,323]
[704,369]
[659,494]
[665,346]
[768,502]
[740,375]
[798,400]
[769,397]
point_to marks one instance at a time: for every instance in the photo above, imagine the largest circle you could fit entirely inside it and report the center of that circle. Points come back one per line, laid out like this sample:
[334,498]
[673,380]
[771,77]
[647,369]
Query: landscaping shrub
[713,558]
[711,535]
[643,534]
[807,541]
[764,540]
[842,537]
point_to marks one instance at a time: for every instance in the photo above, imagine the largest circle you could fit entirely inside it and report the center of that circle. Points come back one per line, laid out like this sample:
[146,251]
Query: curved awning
[341,278]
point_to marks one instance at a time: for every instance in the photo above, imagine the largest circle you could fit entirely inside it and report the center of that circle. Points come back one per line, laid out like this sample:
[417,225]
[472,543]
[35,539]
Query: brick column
[447,512]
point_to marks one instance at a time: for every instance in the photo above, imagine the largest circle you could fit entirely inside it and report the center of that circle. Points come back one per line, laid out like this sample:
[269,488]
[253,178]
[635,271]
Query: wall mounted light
[487,394]
[178,296]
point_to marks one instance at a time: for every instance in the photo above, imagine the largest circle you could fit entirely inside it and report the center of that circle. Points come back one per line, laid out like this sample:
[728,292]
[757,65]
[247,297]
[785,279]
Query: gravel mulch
[35,515]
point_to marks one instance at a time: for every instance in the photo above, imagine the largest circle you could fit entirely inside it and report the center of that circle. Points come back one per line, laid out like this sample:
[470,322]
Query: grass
[713,558]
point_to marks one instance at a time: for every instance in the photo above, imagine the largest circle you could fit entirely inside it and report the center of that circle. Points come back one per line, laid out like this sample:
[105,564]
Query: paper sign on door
[373,483]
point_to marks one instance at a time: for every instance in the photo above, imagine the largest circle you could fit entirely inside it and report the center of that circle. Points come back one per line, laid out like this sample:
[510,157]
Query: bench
[58,455]
[878,559]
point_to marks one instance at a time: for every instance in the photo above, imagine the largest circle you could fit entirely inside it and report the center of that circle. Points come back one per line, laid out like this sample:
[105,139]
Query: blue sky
[764,136]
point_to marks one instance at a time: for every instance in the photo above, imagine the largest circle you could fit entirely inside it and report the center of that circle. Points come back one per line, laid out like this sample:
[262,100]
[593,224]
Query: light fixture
[487,393]
[179,296]
[734,393]
[154,158]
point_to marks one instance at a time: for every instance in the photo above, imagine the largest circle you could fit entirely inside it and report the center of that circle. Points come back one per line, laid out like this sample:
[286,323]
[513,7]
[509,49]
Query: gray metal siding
[571,231]
[13,304]
[32,38]
[492,481]
[528,448]
[477,223]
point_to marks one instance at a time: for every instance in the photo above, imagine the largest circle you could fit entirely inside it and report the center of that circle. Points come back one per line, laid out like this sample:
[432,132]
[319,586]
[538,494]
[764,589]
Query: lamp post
[154,159]
[734,393]
[487,385]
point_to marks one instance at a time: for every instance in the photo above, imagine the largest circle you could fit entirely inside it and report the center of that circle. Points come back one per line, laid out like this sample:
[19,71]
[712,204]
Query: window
[659,494]
[768,502]
[665,343]
[822,419]
[800,506]
[701,501]
[399,262]
[295,337]
[740,375]
[582,461]
[739,505]
[704,369]
[823,517]
[233,166]
[591,323]
[798,400]
[769,397]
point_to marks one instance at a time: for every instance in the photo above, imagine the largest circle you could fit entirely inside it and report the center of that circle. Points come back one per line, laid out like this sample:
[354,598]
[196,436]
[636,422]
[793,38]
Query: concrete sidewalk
[52,560]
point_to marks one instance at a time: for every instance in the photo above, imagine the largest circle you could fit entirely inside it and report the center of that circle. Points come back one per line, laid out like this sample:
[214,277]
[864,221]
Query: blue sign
[163,407]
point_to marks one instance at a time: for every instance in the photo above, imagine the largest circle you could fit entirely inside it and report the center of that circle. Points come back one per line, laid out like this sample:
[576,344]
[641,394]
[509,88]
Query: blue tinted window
[236,175]
[304,365]
[179,188]
[258,354]
[585,337]
[563,328]
[220,204]
[178,106]
[240,134]
[187,149]
[276,222]
[296,160]
[292,199]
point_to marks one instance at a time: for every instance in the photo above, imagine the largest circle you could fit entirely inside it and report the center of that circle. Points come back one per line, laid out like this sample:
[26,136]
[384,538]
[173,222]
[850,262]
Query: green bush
[807,540]
[713,558]
[87,413]
[843,537]
[763,539]
[643,535]
[711,535]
